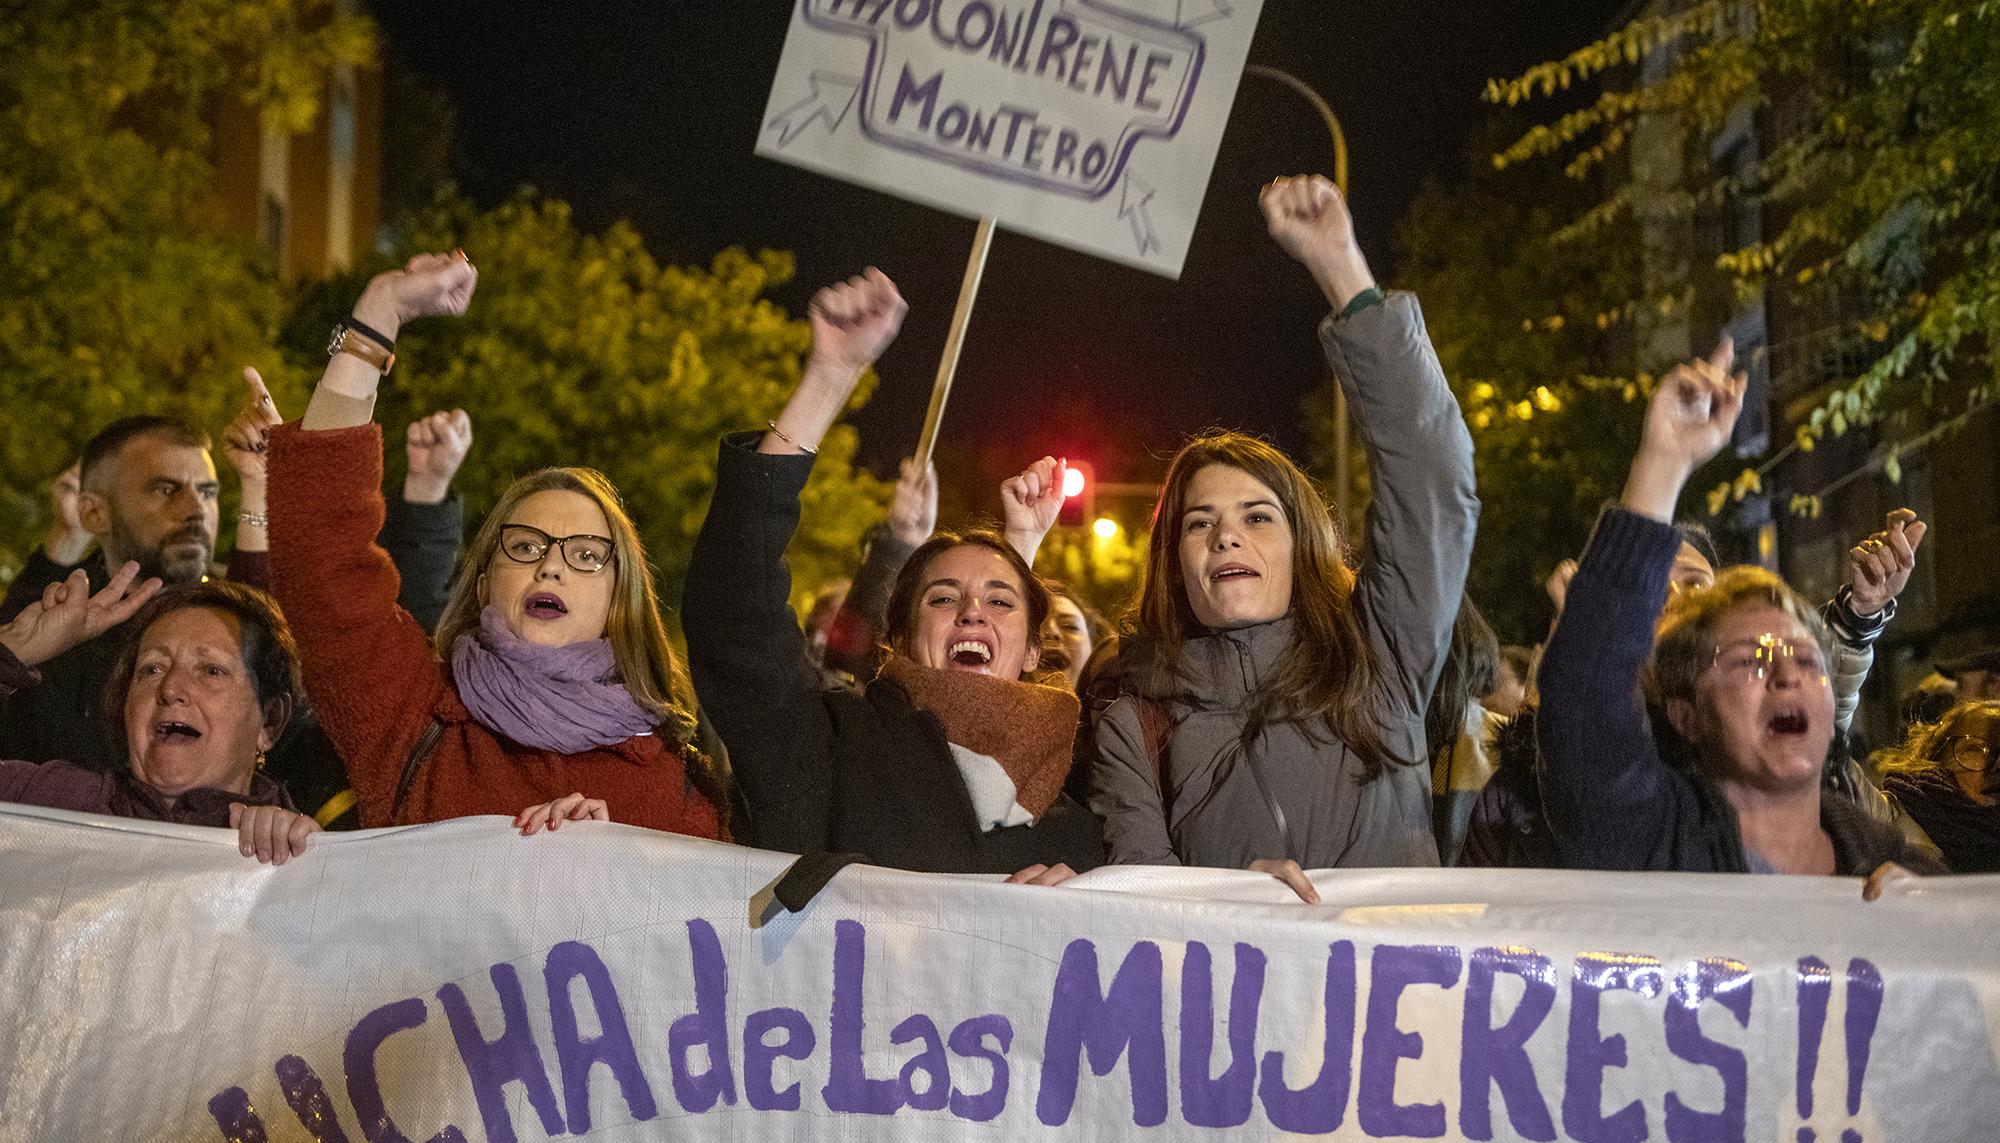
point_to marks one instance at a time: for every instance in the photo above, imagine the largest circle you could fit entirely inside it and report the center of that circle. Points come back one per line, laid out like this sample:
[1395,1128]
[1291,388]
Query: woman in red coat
[550,682]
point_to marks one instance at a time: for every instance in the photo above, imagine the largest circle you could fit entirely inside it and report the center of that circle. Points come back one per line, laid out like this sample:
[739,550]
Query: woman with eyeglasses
[1944,777]
[549,684]
[1708,757]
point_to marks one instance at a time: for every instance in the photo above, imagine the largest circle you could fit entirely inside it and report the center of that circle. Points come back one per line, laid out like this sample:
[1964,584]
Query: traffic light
[1079,495]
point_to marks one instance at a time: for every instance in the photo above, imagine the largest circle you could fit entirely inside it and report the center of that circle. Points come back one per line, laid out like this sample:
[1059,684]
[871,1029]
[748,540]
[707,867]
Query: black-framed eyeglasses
[526,544]
[1968,753]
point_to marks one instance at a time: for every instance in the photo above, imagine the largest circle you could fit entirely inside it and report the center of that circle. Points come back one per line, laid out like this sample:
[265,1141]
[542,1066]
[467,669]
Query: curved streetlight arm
[1319,105]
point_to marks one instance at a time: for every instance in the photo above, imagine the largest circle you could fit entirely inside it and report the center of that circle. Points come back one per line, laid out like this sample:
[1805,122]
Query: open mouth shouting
[169,730]
[969,654]
[544,605]
[1788,723]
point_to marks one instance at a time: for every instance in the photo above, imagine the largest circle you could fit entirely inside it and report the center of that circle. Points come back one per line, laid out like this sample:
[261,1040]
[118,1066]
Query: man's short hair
[1698,537]
[106,445]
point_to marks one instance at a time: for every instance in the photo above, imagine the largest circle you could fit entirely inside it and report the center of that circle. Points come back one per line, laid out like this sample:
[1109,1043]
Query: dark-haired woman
[1275,717]
[946,762]
[203,687]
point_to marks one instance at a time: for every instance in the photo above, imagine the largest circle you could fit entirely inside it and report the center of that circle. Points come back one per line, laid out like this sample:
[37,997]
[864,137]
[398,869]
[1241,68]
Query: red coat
[376,685]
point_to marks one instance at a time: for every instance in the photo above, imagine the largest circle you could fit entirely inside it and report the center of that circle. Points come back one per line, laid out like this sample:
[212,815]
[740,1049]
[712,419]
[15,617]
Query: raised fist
[428,285]
[436,446]
[1031,501]
[855,320]
[1308,219]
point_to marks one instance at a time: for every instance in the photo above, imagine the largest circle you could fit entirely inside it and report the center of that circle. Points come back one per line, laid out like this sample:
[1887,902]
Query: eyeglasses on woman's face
[1967,753]
[1754,660]
[525,544]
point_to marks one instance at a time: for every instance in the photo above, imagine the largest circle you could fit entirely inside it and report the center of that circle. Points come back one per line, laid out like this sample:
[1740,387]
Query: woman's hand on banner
[1042,875]
[1886,874]
[271,834]
[569,807]
[1289,872]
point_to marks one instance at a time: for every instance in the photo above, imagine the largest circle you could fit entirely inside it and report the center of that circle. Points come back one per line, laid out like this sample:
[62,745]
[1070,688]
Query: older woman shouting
[1699,746]
[550,682]
[205,688]
[947,763]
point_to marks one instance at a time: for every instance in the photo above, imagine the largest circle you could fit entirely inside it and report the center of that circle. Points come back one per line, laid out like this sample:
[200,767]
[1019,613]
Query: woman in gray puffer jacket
[1274,709]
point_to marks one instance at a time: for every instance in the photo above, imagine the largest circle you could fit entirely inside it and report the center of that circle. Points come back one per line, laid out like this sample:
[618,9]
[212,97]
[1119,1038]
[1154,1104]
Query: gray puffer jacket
[1215,810]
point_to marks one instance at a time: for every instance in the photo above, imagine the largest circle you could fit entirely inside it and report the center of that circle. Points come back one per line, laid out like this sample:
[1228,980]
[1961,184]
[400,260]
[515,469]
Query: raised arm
[429,284]
[1602,777]
[1425,510]
[426,525]
[1030,502]
[368,664]
[1878,569]
[745,650]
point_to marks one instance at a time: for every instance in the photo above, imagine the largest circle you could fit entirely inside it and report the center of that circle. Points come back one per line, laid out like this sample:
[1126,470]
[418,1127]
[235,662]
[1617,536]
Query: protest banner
[460,982]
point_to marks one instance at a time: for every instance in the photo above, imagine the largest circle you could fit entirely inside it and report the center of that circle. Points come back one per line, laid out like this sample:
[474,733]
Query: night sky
[649,110]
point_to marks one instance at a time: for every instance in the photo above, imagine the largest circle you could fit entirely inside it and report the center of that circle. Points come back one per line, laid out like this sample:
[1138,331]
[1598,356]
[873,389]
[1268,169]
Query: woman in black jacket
[946,762]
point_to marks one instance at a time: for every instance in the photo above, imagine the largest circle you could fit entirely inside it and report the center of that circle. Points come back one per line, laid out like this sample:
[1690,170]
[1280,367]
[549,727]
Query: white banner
[458,981]
[1091,123]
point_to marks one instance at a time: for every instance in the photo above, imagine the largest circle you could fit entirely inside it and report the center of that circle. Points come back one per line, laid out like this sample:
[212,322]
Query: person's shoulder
[53,783]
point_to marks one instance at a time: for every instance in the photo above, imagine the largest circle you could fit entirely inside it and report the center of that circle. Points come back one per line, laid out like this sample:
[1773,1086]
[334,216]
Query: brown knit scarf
[1025,727]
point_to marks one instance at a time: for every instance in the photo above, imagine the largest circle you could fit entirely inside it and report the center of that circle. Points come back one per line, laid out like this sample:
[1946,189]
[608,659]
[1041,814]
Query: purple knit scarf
[562,699]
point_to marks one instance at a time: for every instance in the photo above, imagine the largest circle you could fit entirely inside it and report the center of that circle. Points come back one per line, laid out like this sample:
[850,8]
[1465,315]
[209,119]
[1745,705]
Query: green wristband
[1372,296]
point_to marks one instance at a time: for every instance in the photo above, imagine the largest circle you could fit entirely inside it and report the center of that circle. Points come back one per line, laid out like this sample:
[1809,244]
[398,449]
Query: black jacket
[829,770]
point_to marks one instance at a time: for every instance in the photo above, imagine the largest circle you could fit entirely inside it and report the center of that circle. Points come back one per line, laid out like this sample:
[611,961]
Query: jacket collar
[1218,670]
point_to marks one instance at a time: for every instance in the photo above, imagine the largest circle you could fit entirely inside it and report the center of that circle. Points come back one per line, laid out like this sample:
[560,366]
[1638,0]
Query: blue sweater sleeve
[1611,801]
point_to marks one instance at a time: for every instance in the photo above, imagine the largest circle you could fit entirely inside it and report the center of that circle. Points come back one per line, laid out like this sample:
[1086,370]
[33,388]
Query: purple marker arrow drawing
[1194,12]
[1134,196]
[831,99]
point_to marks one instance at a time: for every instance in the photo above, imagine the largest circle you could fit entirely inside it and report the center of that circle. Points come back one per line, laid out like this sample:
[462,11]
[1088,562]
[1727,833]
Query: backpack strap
[1156,726]
[421,750]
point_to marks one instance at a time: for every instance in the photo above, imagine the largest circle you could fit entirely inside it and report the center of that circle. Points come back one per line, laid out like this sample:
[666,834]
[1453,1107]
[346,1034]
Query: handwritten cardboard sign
[1090,123]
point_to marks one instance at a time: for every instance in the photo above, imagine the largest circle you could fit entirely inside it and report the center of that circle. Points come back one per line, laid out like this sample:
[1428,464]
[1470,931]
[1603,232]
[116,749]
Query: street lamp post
[1342,485]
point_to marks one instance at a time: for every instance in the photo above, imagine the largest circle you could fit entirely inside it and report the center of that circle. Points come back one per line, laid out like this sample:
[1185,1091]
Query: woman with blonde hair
[1944,776]
[1274,717]
[550,683]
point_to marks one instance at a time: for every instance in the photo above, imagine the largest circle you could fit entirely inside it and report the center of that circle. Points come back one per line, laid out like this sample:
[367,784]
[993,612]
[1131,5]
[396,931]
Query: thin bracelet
[780,434]
[254,519]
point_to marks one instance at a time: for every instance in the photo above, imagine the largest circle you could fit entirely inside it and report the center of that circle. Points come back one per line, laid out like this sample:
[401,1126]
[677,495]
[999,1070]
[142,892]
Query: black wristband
[356,324]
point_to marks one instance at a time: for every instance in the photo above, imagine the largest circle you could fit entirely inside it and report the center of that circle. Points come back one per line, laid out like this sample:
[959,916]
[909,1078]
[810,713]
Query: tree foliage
[581,349]
[1881,169]
[119,291]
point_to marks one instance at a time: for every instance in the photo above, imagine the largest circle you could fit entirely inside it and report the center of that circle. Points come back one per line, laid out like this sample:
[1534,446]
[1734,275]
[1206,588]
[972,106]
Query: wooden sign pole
[968,292]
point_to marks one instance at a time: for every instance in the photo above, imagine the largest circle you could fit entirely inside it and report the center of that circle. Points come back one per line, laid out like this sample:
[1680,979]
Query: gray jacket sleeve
[1125,791]
[1425,509]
